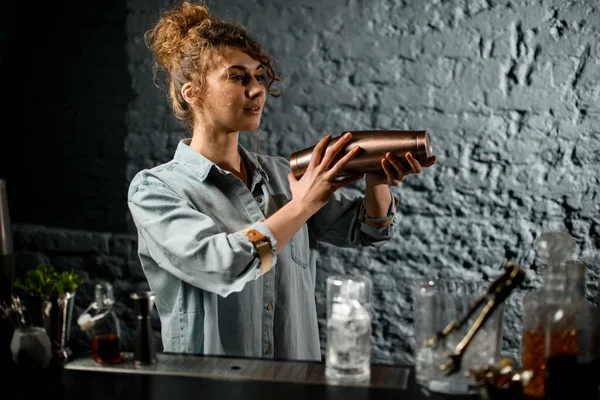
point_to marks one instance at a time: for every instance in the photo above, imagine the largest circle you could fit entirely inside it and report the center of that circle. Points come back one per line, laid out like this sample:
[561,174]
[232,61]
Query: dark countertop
[182,377]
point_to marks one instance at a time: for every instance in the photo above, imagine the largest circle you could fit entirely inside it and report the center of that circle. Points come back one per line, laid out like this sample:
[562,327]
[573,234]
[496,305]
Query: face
[235,93]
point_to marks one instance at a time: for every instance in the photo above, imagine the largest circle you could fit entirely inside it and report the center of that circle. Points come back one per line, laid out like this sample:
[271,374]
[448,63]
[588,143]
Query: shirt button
[268,350]
[258,199]
[269,307]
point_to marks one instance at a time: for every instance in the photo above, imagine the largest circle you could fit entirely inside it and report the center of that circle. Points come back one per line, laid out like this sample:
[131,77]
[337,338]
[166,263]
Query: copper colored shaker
[375,144]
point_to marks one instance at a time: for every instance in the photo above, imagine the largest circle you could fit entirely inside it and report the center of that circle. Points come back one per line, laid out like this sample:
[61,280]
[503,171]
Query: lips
[252,108]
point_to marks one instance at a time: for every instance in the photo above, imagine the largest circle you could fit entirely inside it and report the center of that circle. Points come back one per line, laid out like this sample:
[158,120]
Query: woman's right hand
[319,181]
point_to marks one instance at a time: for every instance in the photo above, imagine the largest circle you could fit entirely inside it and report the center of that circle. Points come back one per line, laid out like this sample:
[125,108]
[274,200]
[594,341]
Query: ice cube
[349,320]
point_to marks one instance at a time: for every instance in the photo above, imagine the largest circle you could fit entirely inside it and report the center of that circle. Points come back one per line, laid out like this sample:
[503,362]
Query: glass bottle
[554,248]
[572,337]
[538,307]
[561,340]
[102,322]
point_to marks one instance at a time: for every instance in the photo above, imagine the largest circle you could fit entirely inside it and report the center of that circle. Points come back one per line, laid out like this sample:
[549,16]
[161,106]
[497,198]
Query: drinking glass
[348,328]
[435,304]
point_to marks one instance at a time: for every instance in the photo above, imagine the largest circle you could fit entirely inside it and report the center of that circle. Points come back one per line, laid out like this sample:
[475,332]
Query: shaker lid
[143,303]
[424,147]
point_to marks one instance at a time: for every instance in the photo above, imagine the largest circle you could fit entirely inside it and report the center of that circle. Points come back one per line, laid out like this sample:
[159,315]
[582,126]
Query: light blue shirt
[205,272]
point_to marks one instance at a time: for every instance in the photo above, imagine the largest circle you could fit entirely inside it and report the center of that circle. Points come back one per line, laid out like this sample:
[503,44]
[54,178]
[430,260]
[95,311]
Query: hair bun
[166,39]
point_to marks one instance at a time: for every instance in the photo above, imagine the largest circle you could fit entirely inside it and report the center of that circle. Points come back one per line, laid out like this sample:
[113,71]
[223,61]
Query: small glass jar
[102,322]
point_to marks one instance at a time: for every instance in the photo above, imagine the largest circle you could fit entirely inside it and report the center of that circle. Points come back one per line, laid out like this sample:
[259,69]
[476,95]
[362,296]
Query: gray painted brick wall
[508,90]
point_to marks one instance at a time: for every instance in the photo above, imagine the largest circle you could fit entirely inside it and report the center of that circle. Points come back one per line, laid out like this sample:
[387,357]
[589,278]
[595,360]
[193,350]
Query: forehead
[234,57]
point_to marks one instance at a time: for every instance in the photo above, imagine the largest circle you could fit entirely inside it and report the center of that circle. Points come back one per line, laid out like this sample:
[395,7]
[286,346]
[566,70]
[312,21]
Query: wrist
[301,210]
[373,180]
[377,200]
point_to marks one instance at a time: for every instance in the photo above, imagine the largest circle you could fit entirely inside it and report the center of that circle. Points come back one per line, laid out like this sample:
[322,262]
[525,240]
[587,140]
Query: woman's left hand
[395,169]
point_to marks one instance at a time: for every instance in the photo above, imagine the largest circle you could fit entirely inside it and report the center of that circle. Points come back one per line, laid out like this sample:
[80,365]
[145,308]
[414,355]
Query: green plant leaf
[46,281]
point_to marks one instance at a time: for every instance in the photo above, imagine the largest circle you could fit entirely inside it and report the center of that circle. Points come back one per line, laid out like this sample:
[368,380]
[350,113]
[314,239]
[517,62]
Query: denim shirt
[205,272]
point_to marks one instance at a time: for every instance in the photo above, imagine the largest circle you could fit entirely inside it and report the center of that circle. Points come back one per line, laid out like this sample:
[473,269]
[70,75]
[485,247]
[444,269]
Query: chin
[251,126]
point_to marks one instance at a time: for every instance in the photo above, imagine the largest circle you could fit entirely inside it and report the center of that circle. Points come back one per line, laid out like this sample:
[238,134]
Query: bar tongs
[498,291]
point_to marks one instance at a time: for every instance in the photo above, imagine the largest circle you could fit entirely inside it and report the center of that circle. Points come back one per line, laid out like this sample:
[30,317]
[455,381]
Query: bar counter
[183,377]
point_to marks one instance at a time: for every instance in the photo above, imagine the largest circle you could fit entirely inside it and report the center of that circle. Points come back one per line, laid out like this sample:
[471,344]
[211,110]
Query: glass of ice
[348,356]
[435,304]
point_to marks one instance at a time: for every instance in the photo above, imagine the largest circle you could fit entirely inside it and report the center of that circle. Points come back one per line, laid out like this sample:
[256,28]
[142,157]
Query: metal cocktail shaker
[145,351]
[375,144]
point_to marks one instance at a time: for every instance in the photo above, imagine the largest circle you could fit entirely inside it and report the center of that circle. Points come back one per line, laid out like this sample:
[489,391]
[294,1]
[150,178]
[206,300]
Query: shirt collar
[200,166]
[252,162]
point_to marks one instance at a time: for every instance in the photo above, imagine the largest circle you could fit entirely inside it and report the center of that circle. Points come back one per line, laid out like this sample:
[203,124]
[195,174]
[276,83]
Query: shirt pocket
[299,247]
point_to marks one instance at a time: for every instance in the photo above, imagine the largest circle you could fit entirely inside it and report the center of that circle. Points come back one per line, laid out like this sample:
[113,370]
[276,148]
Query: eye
[236,77]
[261,78]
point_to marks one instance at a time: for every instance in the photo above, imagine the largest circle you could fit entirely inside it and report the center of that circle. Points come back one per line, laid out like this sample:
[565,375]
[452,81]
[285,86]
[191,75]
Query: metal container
[7,257]
[375,144]
[145,351]
[7,274]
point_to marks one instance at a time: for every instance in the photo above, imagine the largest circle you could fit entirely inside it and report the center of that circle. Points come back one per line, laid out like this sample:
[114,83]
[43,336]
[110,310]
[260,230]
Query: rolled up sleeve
[189,245]
[343,222]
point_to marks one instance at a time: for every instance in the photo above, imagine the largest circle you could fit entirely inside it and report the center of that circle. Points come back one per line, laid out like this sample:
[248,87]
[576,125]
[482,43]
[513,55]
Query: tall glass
[435,304]
[348,328]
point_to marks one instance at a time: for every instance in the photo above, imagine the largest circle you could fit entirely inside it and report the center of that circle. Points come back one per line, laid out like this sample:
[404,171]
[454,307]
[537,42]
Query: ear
[187,92]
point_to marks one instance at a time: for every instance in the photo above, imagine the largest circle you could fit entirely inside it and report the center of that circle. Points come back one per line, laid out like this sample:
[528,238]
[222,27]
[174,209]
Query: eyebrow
[244,68]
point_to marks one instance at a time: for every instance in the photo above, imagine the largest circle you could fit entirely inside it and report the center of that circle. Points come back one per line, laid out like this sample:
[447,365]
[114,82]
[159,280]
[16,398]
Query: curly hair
[185,41]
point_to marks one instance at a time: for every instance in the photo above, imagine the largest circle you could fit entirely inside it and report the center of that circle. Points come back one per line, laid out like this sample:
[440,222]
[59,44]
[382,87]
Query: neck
[220,148]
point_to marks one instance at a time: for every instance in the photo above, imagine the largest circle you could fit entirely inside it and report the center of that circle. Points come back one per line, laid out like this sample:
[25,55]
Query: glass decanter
[554,248]
[572,339]
[102,322]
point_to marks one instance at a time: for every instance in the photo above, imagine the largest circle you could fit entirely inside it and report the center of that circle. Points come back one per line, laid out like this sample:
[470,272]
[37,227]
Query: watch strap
[262,244]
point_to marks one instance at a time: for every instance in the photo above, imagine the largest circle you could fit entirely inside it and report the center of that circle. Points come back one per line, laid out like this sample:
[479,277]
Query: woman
[227,237]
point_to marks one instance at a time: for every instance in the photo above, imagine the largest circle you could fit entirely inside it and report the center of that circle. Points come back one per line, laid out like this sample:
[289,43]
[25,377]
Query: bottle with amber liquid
[561,335]
[539,306]
[573,340]
[101,321]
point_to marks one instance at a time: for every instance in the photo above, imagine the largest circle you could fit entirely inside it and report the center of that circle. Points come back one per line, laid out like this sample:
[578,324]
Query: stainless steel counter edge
[244,369]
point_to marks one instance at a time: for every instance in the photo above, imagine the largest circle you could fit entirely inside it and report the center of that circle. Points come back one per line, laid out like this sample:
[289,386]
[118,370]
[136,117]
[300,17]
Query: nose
[255,88]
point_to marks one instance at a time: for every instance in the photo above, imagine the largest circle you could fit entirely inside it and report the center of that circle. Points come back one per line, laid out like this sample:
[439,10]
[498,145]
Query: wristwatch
[262,244]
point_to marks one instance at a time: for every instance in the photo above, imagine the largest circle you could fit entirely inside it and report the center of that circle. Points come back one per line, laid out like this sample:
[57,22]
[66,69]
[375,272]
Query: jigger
[144,349]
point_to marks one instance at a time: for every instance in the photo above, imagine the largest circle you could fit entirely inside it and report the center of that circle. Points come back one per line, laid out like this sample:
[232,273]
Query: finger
[392,173]
[335,149]
[429,162]
[348,180]
[415,165]
[292,178]
[397,164]
[338,168]
[317,153]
